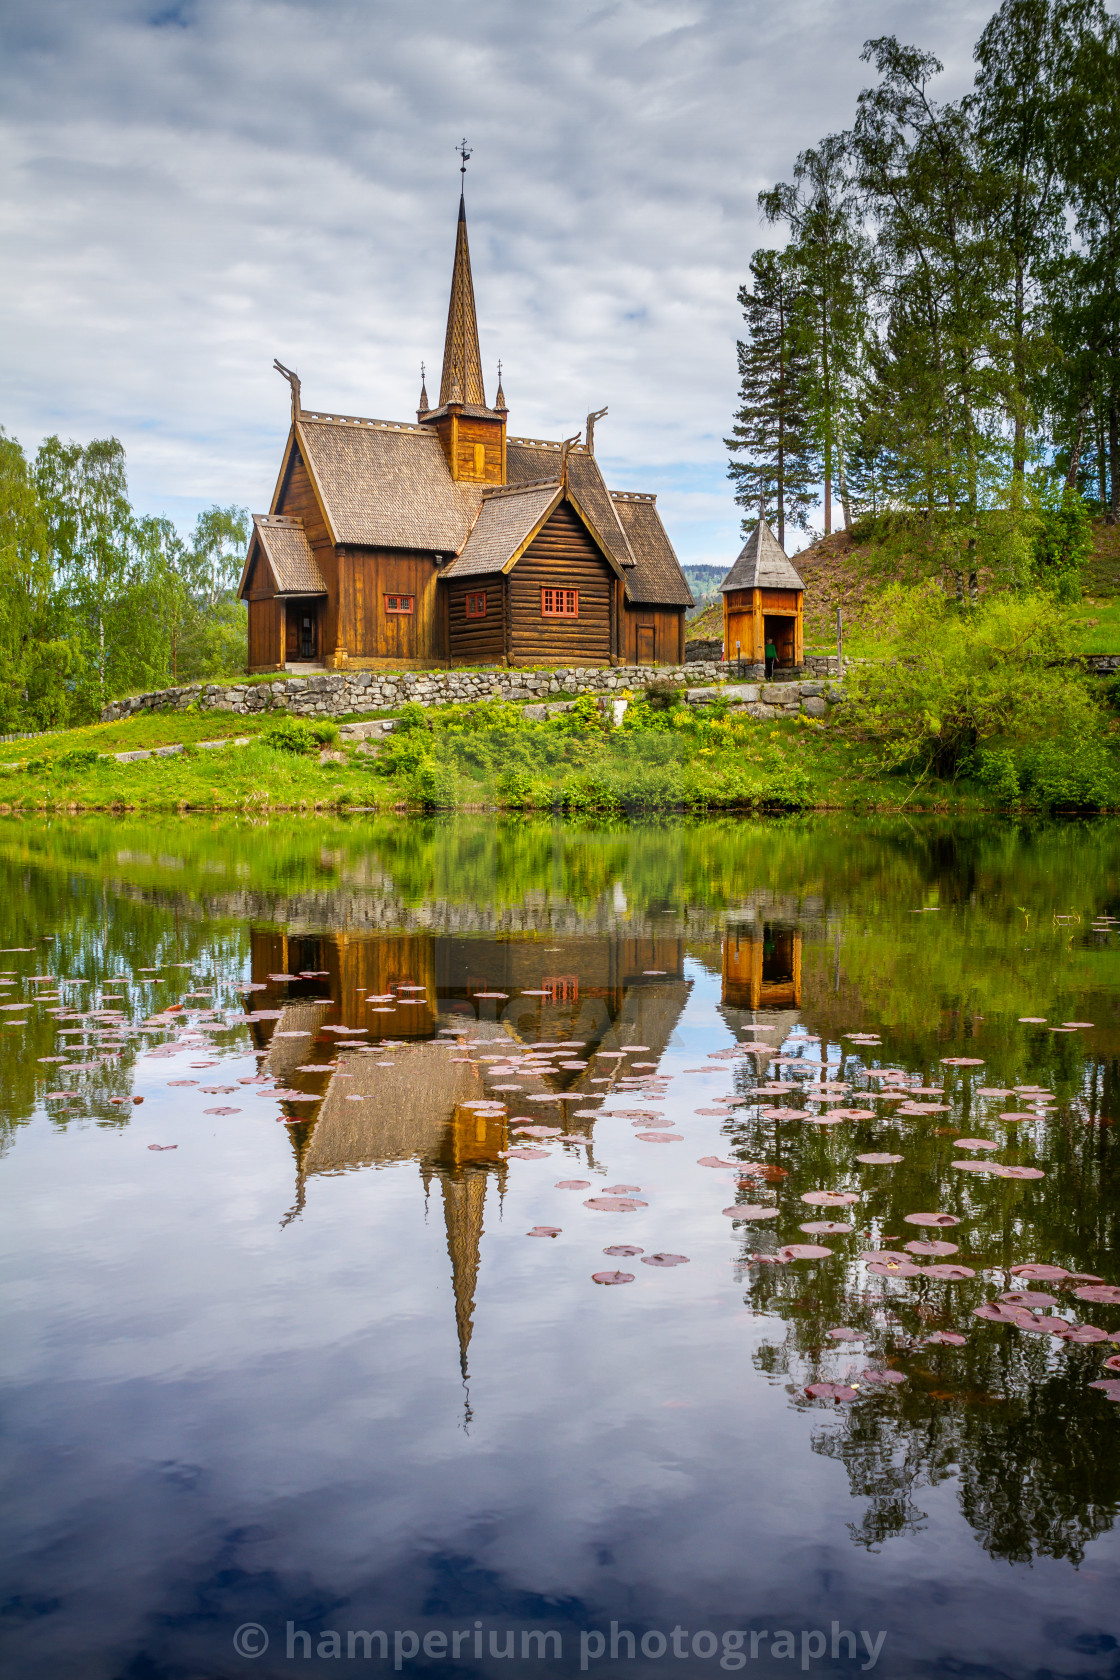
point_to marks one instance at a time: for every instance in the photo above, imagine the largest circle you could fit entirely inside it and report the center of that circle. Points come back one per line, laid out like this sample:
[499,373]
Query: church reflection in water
[456,1013]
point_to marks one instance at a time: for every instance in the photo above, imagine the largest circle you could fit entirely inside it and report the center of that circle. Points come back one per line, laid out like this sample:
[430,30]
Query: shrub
[522,791]
[1052,775]
[1062,543]
[431,785]
[412,717]
[292,735]
[950,681]
[78,758]
[588,795]
[582,715]
[662,696]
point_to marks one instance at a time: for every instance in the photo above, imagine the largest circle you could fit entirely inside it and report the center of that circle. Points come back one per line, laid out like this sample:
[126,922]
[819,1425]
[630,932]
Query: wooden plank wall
[266,633]
[476,641]
[658,628]
[365,629]
[562,555]
[297,499]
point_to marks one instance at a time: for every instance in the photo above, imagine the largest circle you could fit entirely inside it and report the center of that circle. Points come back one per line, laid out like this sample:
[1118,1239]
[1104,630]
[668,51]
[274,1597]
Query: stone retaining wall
[334,693]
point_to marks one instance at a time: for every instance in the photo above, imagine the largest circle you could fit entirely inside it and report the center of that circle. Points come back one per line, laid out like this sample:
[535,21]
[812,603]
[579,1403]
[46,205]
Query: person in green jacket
[771,655]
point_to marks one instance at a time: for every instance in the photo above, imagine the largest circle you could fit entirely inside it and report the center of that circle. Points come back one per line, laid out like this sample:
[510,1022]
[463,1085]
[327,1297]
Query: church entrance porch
[301,631]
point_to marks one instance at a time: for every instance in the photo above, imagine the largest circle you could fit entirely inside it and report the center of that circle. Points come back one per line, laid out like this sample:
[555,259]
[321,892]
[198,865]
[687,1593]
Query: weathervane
[464,152]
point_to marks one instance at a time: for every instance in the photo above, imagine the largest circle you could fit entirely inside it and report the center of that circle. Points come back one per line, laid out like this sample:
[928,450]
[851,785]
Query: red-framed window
[400,603]
[476,606]
[559,603]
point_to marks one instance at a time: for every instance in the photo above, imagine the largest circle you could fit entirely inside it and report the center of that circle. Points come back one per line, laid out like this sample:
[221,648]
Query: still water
[316,1137]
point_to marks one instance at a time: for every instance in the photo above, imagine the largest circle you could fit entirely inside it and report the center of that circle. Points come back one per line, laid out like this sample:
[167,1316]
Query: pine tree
[830,263]
[772,436]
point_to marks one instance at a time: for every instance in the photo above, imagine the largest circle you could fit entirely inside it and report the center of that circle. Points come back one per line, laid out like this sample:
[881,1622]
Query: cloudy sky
[191,187]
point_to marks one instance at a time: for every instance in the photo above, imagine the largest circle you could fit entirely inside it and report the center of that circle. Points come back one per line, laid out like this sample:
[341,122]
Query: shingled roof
[387,485]
[656,578]
[507,520]
[282,545]
[384,485]
[763,564]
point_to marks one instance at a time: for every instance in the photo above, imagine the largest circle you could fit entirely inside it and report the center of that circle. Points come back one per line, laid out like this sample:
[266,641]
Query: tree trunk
[844,503]
[1078,440]
[1113,514]
[1019,447]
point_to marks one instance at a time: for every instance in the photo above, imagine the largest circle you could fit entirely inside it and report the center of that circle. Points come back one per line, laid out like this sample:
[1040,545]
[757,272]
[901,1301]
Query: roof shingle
[762,564]
[504,522]
[284,547]
[656,578]
[387,486]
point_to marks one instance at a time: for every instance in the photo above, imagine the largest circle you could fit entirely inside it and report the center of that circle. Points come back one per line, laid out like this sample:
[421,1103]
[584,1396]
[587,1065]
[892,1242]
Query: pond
[494,1247]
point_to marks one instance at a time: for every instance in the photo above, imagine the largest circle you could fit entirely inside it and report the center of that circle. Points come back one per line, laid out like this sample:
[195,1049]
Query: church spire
[462,364]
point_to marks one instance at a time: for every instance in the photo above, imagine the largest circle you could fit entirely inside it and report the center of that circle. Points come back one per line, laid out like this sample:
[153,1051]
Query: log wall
[563,556]
[476,641]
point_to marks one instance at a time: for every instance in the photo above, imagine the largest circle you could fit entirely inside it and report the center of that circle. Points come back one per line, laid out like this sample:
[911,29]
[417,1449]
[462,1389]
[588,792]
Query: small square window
[400,603]
[560,603]
[476,606]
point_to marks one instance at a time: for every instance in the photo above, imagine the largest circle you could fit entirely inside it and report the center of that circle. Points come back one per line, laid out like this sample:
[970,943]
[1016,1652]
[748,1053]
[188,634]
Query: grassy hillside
[838,571]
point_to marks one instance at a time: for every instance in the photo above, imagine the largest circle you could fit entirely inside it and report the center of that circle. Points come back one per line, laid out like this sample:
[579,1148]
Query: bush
[522,791]
[1052,775]
[662,696]
[431,785]
[1062,544]
[291,735]
[951,681]
[78,758]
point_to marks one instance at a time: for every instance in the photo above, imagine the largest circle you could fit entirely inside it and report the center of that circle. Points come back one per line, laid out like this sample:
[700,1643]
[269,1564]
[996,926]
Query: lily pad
[665,1260]
[612,1277]
[938,1219]
[750,1210]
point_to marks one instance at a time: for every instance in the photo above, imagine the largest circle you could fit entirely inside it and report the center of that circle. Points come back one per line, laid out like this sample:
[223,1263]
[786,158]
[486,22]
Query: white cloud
[191,187]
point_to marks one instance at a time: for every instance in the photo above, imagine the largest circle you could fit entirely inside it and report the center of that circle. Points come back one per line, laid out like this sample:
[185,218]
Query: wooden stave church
[447,542]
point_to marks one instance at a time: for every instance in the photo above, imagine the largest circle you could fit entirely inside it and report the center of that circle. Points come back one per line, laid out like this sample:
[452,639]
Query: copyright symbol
[250,1640]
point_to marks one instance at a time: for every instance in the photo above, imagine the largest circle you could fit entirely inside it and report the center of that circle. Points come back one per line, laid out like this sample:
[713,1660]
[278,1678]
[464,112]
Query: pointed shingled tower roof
[464,1199]
[763,564]
[461,381]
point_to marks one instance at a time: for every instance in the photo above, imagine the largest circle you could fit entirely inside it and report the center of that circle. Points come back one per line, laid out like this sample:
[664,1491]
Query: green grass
[734,764]
[146,729]
[1096,625]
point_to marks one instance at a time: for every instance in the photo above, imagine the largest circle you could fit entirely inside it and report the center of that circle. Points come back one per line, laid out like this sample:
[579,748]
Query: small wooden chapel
[445,541]
[763,601]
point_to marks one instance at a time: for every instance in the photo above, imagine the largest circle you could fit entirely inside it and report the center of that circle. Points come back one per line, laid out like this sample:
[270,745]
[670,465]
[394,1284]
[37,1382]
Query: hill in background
[839,571]
[704,582]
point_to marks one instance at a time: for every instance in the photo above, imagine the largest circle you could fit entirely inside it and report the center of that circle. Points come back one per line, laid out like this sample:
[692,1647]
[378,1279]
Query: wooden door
[301,640]
[646,644]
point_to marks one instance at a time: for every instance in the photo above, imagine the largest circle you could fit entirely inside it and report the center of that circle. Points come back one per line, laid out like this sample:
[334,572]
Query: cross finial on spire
[464,152]
[423,409]
[462,366]
[500,399]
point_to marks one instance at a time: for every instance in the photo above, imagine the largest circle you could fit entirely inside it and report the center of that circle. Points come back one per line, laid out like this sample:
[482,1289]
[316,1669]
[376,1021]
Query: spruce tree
[772,437]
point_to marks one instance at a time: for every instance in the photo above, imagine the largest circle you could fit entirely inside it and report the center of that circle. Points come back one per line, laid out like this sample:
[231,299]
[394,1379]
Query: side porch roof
[281,546]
